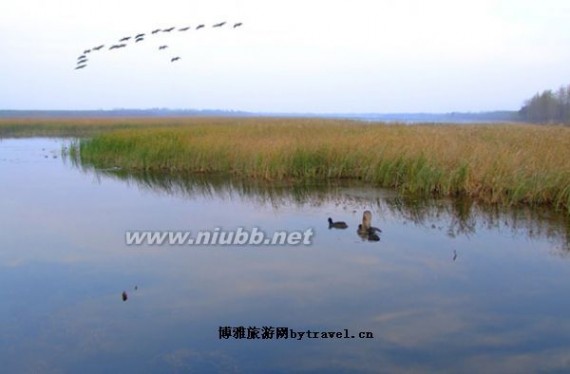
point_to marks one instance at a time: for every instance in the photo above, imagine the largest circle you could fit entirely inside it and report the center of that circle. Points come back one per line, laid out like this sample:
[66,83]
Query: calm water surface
[451,286]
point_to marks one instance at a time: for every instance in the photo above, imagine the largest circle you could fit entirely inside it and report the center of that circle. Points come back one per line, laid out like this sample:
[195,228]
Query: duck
[366,223]
[366,230]
[370,233]
[337,225]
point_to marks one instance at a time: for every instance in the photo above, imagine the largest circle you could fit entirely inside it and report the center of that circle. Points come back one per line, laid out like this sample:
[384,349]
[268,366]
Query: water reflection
[452,286]
[456,216]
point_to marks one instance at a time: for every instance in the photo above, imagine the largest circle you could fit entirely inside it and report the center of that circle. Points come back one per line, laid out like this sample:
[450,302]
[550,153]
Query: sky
[288,56]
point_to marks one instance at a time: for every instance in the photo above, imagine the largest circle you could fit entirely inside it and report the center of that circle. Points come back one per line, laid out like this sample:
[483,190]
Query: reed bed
[502,163]
[79,127]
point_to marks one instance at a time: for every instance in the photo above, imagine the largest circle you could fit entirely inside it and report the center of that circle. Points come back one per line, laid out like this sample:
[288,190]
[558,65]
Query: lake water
[451,286]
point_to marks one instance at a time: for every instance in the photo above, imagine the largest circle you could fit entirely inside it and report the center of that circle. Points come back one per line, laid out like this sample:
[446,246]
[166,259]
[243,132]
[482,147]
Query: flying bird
[116,46]
[82,59]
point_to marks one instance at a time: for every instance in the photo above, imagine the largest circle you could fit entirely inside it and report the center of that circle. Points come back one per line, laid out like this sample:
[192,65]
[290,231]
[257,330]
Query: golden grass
[78,127]
[507,164]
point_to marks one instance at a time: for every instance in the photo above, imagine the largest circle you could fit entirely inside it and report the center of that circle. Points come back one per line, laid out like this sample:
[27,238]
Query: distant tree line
[548,107]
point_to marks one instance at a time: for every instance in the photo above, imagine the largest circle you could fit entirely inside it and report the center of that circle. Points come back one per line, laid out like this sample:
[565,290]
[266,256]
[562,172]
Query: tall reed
[506,164]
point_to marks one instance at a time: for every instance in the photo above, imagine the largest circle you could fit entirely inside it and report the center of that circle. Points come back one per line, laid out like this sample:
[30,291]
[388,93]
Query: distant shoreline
[451,117]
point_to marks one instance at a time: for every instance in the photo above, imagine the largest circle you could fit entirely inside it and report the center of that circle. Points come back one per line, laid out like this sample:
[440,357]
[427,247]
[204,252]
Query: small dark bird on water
[199,27]
[373,237]
[337,225]
[366,227]
[369,233]
[237,24]
[124,296]
[184,28]
[174,59]
[162,47]
[454,255]
[219,24]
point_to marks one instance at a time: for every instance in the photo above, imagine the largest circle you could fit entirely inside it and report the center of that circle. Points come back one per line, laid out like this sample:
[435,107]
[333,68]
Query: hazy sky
[289,56]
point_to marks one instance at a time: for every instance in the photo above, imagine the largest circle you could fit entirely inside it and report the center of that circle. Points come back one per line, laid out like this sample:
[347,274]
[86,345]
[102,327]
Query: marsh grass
[78,127]
[506,164]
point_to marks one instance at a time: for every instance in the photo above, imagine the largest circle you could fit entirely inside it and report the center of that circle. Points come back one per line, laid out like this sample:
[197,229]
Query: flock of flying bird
[82,59]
